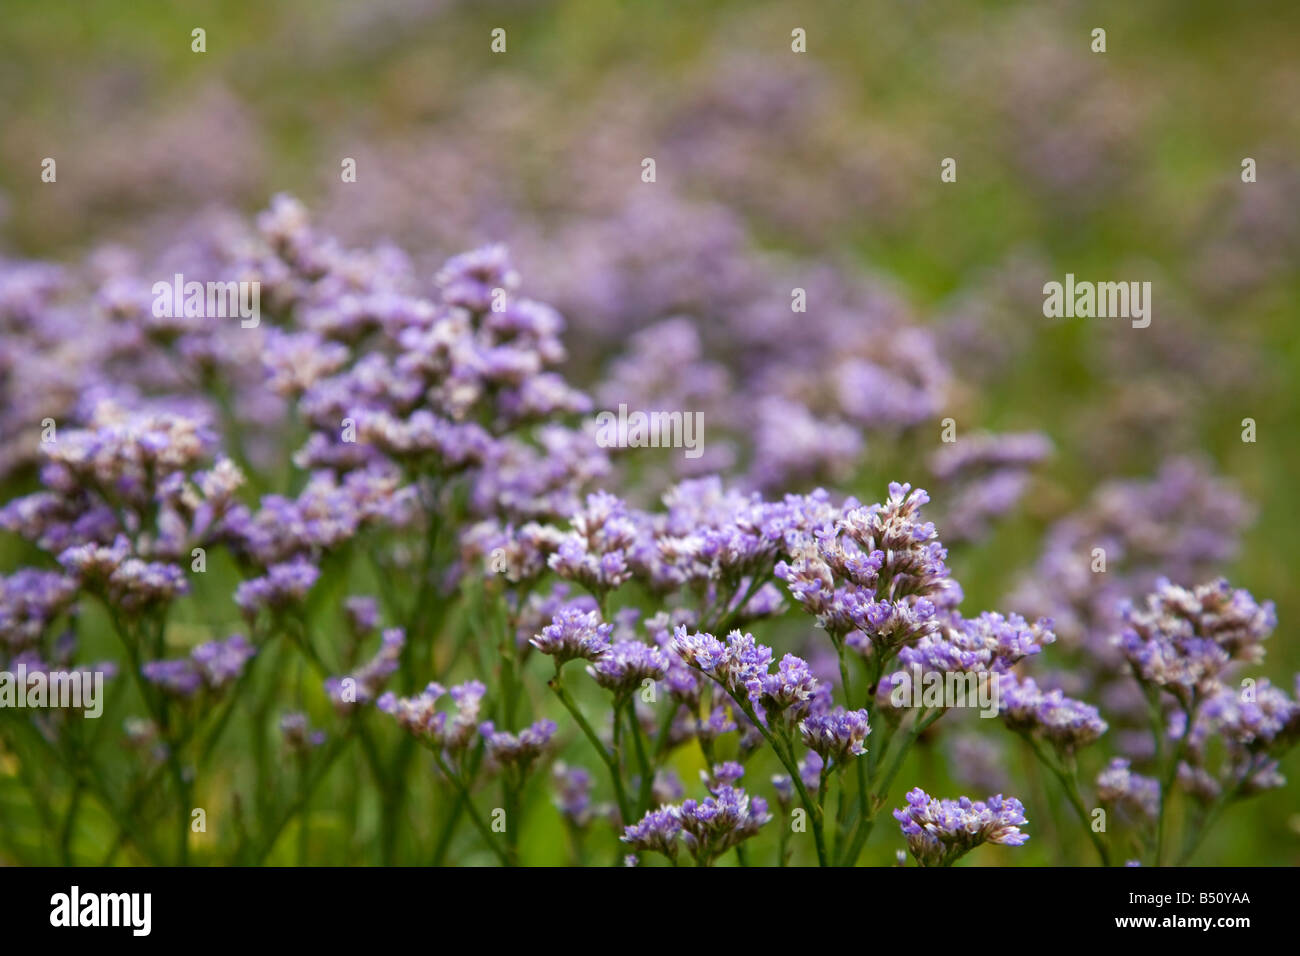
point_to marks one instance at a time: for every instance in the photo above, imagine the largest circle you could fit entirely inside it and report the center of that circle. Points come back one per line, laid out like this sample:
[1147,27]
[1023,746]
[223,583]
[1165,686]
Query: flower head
[450,732]
[364,684]
[210,666]
[740,665]
[1180,639]
[939,832]
[628,665]
[517,751]
[1135,794]
[712,826]
[573,793]
[837,735]
[298,734]
[708,827]
[657,831]
[791,689]
[1067,724]
[574,634]
[283,585]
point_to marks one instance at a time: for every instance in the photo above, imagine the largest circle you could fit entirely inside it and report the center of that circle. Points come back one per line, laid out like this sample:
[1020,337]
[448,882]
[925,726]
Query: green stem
[510,796]
[1167,782]
[610,761]
[1068,780]
[643,762]
[475,818]
[897,752]
[1196,835]
[786,755]
[448,831]
[336,747]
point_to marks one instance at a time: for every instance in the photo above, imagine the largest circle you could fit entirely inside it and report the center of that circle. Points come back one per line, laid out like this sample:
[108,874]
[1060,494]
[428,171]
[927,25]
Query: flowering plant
[377,629]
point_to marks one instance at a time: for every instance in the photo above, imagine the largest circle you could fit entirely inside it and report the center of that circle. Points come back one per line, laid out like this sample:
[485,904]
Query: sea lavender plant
[708,828]
[940,832]
[1180,644]
[416,440]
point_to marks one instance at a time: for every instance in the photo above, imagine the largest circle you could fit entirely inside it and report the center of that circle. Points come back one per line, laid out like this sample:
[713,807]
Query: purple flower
[1065,723]
[837,735]
[1182,524]
[1181,639]
[136,585]
[1133,793]
[723,775]
[520,554]
[712,826]
[443,730]
[627,666]
[220,662]
[702,651]
[328,512]
[988,643]
[574,634]
[294,362]
[875,570]
[517,751]
[740,666]
[93,563]
[784,788]
[282,586]
[127,450]
[30,600]
[791,689]
[667,786]
[469,280]
[939,832]
[211,666]
[708,827]
[985,475]
[914,558]
[573,793]
[298,734]
[1256,724]
[595,553]
[657,831]
[127,582]
[362,614]
[364,684]
[180,678]
[810,770]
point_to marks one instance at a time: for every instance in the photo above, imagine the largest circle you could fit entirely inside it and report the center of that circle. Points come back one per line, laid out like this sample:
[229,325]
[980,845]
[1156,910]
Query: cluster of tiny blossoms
[875,575]
[939,832]
[1182,639]
[1182,645]
[414,432]
[708,828]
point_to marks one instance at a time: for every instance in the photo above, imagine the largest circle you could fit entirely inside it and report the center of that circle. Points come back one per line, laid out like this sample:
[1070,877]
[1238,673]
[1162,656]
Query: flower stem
[1068,780]
[786,755]
[474,816]
[610,760]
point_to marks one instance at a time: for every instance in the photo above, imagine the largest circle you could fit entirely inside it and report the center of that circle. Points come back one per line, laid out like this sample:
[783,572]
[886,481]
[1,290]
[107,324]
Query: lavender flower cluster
[939,832]
[394,492]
